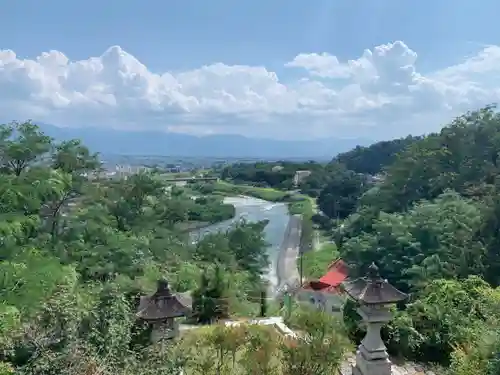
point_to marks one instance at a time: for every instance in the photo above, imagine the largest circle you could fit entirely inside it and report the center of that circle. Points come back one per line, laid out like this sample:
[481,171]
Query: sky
[279,69]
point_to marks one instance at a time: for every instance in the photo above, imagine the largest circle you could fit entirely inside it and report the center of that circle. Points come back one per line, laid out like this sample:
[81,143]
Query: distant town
[119,166]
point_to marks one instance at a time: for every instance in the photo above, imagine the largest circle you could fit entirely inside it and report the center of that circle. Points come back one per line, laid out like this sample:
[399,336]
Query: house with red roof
[326,293]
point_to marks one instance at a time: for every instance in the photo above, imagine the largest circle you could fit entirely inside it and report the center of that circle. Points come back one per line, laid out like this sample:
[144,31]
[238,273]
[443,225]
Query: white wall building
[326,293]
[300,176]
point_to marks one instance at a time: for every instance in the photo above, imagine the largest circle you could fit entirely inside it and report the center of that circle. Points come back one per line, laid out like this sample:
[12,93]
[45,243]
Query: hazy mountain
[109,141]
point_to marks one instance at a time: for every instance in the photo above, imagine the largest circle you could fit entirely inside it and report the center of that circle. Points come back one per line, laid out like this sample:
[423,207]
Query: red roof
[337,273]
[339,265]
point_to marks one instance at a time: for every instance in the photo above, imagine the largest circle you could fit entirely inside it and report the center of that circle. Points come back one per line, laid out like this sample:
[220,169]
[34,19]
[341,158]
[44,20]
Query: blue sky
[180,37]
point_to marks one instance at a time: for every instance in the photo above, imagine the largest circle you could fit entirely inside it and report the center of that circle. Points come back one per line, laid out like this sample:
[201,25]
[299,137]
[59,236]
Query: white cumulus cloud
[380,94]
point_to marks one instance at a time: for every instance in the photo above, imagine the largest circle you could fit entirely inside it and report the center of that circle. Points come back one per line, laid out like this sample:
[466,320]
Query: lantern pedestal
[373,294]
[165,330]
[371,356]
[371,367]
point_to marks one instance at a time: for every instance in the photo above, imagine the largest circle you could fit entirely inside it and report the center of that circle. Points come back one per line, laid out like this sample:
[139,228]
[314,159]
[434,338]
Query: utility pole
[301,266]
[287,300]
[263,303]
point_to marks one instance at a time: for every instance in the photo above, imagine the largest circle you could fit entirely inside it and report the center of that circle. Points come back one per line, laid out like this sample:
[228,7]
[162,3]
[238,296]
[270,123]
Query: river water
[253,209]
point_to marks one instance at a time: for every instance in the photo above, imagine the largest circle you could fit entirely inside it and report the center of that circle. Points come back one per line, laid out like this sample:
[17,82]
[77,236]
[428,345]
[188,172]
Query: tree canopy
[431,225]
[77,250]
[374,158]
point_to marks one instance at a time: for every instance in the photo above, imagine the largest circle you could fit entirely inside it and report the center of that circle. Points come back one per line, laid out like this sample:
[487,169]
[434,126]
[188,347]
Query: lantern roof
[373,289]
[161,305]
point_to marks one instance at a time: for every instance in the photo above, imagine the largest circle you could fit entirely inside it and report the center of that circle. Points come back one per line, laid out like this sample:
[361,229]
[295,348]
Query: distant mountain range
[116,142]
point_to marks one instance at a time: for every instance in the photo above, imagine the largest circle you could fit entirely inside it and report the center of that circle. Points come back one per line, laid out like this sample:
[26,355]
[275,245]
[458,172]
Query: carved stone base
[372,355]
[365,366]
[164,331]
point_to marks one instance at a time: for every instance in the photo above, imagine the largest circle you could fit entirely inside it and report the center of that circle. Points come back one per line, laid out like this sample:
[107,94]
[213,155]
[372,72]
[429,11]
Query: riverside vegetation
[77,252]
[70,275]
[431,222]
[298,204]
[427,211]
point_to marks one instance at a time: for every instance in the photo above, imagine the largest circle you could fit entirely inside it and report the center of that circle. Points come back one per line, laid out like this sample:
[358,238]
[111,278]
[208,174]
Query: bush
[323,347]
[324,222]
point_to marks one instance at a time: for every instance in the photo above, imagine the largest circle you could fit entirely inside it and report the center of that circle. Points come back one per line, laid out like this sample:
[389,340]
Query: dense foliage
[372,159]
[209,209]
[430,220]
[432,226]
[76,251]
[273,174]
[339,197]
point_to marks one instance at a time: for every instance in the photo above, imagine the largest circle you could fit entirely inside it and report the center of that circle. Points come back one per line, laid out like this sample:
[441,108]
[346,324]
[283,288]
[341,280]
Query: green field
[302,205]
[267,194]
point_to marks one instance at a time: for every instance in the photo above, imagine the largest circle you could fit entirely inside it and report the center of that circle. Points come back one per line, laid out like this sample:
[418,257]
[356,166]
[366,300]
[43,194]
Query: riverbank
[309,240]
[298,204]
[299,237]
[253,210]
[267,194]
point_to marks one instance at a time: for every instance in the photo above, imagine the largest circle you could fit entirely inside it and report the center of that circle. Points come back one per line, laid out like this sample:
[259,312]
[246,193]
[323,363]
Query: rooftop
[163,304]
[330,282]
[373,290]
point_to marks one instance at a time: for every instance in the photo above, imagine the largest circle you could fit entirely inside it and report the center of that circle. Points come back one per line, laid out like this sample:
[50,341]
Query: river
[253,209]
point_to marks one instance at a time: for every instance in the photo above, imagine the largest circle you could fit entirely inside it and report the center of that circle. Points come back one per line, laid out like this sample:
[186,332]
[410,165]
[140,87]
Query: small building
[300,176]
[277,168]
[161,310]
[326,294]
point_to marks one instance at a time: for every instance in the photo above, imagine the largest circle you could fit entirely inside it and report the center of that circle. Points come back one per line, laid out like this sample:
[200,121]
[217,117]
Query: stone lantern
[161,311]
[373,295]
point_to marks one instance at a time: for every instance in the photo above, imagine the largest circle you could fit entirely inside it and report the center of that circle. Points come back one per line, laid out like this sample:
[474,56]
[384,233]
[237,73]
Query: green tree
[210,300]
[374,158]
[109,326]
[339,198]
[433,240]
[478,358]
[73,157]
[21,145]
[127,200]
[247,242]
[445,315]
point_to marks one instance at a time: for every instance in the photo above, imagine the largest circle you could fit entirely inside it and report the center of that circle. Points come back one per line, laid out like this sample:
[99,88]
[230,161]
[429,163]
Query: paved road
[287,271]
